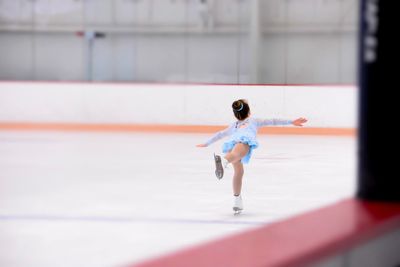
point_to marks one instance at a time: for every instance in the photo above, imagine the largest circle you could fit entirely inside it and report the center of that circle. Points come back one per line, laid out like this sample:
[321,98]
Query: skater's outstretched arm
[274,122]
[299,122]
[217,136]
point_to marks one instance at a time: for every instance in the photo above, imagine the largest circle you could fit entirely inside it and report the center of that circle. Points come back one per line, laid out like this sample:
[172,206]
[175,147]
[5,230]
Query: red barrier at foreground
[297,241]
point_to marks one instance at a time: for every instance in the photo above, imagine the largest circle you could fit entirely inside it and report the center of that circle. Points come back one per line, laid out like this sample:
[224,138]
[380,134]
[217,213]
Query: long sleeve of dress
[221,134]
[272,122]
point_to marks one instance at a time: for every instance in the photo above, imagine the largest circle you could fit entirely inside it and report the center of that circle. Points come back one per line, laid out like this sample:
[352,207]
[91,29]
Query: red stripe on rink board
[167,128]
[298,241]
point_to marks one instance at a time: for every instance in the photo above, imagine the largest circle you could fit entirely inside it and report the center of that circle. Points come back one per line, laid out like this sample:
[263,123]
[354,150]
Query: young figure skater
[240,145]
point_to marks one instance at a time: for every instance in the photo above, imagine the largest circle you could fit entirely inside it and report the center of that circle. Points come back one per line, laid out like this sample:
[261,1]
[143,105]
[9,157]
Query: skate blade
[236,211]
[219,171]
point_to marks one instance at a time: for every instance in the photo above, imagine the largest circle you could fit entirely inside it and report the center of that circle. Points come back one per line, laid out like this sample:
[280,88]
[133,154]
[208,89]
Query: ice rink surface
[113,199]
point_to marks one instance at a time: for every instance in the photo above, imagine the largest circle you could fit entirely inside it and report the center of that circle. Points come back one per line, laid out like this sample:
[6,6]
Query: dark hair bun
[241,109]
[237,105]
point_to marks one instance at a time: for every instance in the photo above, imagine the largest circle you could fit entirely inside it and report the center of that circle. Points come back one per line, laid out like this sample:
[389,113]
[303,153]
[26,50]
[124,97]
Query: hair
[241,109]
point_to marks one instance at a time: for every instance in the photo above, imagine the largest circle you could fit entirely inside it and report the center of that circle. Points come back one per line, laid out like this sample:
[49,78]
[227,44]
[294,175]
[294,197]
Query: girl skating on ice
[239,147]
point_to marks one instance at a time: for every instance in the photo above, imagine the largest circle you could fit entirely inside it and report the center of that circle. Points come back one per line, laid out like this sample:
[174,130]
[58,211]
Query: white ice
[112,199]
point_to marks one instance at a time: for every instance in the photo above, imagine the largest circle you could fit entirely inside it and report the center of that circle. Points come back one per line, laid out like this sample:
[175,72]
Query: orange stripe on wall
[167,128]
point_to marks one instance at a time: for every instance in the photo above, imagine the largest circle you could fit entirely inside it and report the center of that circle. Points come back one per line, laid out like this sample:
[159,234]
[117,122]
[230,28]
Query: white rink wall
[106,103]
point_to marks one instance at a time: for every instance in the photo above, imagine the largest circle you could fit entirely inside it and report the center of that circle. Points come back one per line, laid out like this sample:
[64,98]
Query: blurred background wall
[190,41]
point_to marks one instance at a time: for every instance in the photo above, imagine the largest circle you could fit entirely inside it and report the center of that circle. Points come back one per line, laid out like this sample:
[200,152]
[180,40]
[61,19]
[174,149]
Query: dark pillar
[379,103]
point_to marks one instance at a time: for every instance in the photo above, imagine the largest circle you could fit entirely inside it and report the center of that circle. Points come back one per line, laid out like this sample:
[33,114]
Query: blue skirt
[253,144]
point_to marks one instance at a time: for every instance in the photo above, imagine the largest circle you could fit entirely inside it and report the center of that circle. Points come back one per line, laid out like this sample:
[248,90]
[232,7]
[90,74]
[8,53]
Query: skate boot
[219,169]
[237,204]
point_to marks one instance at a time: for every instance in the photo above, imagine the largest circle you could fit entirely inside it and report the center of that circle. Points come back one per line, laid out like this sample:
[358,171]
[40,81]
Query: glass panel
[206,41]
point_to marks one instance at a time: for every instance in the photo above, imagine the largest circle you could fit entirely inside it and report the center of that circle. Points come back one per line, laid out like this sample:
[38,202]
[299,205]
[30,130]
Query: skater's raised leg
[237,153]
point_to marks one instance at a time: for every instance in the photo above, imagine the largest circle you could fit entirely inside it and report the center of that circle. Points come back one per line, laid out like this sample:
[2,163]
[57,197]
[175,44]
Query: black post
[379,105]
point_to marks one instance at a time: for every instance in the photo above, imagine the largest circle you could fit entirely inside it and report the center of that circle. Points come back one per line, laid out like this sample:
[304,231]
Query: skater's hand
[201,145]
[299,121]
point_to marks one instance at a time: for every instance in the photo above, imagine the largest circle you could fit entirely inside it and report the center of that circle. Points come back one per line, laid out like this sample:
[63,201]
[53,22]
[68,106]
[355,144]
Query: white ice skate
[237,205]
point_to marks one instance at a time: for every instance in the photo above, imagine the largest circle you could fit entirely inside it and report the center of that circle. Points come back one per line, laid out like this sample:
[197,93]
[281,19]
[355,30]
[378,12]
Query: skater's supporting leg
[237,178]
[237,187]
[237,153]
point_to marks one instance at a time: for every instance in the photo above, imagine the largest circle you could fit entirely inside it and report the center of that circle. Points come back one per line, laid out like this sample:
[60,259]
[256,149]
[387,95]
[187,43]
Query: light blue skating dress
[244,132]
